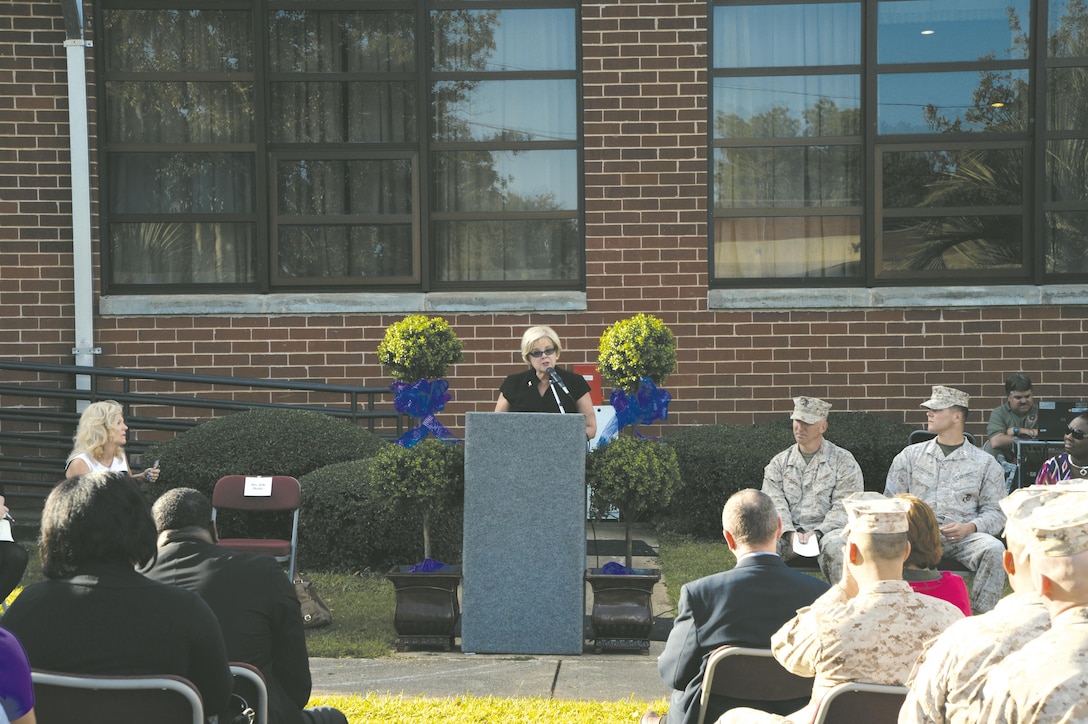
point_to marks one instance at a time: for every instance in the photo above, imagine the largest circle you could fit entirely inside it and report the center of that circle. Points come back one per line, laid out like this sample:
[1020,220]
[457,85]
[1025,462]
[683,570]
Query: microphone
[550,371]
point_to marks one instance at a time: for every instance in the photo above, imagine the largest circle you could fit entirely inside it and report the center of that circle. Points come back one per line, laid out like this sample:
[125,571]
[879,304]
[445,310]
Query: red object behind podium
[593,378]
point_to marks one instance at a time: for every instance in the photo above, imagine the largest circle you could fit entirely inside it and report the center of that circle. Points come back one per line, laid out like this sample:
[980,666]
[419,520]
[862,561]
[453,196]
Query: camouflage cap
[1017,506]
[809,410]
[1059,527]
[870,512]
[944,397]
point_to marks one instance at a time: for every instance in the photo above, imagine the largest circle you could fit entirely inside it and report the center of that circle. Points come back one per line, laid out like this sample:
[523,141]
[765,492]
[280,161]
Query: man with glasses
[1017,417]
[544,387]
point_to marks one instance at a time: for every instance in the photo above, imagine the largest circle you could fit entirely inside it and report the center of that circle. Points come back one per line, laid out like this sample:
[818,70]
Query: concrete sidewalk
[607,676]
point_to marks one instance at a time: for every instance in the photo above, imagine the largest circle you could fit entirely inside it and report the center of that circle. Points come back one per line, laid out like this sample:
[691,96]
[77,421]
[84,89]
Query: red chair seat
[263,546]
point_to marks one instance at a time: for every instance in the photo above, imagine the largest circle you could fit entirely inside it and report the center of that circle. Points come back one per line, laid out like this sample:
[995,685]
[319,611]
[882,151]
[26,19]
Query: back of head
[750,517]
[182,508]
[1058,544]
[878,526]
[100,517]
[923,532]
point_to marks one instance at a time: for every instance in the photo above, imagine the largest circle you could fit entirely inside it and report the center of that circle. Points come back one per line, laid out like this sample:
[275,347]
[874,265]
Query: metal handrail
[35,437]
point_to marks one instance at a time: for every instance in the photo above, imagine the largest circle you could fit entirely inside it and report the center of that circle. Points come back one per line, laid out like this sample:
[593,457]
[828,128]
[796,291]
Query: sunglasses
[1076,434]
[538,353]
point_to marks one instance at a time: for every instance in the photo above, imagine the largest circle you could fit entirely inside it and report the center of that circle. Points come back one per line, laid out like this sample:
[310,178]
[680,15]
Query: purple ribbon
[644,407]
[422,399]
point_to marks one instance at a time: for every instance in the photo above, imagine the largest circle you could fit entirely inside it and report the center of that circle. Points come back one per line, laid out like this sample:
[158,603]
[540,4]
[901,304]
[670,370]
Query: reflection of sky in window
[543,110]
[963,30]
[748,97]
[776,36]
[902,98]
[537,173]
[537,39]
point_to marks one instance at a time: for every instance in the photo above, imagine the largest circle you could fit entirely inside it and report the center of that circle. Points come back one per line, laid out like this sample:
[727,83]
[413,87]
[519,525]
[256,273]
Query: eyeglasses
[538,353]
[1076,434]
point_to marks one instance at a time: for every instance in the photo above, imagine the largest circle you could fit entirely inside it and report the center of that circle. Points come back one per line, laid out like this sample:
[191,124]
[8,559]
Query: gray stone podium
[525,536]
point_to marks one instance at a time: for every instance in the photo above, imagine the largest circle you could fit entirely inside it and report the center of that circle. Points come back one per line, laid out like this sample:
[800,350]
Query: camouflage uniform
[946,684]
[963,487]
[874,637]
[808,497]
[1045,681]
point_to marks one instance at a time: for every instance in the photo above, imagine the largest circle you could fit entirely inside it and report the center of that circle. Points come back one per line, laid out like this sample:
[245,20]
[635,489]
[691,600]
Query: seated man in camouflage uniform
[871,626]
[808,482]
[1045,681]
[963,485]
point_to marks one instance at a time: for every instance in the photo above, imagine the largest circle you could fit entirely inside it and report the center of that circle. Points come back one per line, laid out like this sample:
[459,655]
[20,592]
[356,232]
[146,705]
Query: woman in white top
[100,443]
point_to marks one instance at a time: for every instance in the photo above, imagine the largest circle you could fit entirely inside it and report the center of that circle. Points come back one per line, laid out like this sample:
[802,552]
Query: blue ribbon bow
[642,408]
[422,399]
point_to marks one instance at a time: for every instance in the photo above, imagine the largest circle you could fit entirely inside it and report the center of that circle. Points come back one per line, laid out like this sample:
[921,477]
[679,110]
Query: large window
[257,145]
[881,142]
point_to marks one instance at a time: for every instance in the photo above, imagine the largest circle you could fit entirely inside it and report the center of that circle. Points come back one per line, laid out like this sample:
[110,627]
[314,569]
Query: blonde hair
[93,431]
[532,334]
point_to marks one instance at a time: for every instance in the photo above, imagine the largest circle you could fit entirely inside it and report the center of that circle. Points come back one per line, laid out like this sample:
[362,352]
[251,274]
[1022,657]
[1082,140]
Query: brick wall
[646,238]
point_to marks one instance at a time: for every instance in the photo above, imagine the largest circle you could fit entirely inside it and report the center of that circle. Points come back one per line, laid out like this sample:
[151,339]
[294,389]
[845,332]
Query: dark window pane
[787,177]
[334,112]
[1067,170]
[345,252]
[939,31]
[776,36]
[1068,23]
[163,112]
[936,245]
[1067,98]
[506,180]
[310,41]
[787,106]
[943,102]
[308,187]
[180,183]
[801,246]
[507,110]
[182,253]
[503,40]
[935,179]
[169,41]
[1066,243]
[532,250]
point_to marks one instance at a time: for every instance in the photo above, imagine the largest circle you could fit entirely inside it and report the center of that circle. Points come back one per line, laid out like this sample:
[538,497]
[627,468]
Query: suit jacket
[258,613]
[740,607]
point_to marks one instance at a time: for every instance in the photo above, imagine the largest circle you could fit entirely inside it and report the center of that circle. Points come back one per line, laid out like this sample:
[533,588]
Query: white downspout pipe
[82,267]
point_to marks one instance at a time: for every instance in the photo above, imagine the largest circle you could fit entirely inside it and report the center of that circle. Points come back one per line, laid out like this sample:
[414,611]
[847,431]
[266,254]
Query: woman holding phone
[100,443]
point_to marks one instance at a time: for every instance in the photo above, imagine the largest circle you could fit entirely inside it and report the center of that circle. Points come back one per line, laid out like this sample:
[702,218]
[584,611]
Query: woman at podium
[545,387]
[1070,466]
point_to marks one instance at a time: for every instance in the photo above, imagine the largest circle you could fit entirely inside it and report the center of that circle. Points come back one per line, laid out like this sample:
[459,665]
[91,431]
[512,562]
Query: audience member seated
[739,607]
[254,601]
[1070,466]
[871,626]
[808,482]
[962,485]
[920,568]
[13,557]
[16,688]
[1045,680]
[947,681]
[95,614]
[1016,417]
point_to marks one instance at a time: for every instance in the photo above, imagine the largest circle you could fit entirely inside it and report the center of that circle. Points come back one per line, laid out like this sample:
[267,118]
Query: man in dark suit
[254,601]
[739,607]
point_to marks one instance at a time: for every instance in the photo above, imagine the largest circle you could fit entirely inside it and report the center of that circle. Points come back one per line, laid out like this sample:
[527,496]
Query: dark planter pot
[622,616]
[427,610]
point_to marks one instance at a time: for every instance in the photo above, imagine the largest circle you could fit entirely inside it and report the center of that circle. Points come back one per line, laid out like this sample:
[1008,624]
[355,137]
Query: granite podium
[525,533]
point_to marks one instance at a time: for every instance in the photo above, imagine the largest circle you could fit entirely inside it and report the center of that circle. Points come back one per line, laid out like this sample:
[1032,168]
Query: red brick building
[556,163]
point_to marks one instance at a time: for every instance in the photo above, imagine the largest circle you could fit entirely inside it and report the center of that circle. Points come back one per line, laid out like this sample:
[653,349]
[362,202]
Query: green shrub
[418,347]
[718,460]
[637,347]
[258,442]
[345,526]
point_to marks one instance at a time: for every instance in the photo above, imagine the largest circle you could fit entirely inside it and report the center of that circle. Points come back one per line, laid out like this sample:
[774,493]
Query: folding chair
[250,685]
[754,678]
[857,702]
[923,435]
[66,698]
[238,492]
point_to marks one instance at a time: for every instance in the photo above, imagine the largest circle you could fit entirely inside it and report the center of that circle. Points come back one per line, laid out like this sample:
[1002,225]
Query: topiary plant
[427,480]
[641,346]
[635,475]
[419,347]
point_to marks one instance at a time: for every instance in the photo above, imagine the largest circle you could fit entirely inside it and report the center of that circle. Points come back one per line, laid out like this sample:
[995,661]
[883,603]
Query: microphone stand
[551,386]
